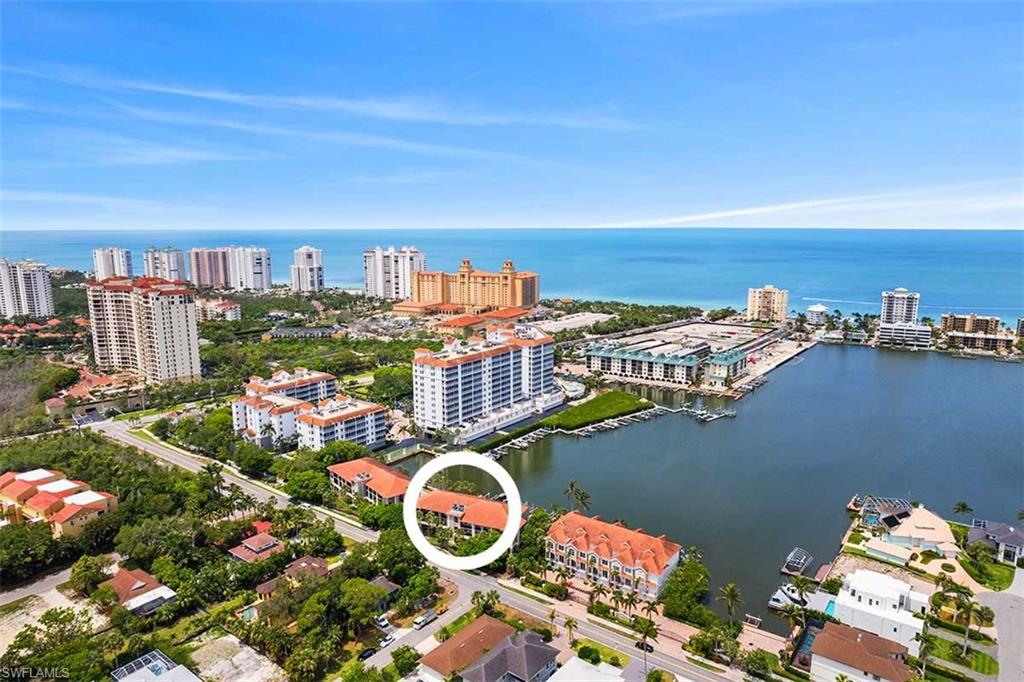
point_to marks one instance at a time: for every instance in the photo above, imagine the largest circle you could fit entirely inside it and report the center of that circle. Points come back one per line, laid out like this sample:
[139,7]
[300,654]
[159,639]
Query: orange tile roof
[460,359]
[71,510]
[259,546]
[632,548]
[129,583]
[506,314]
[479,511]
[466,646]
[339,416]
[382,480]
[461,321]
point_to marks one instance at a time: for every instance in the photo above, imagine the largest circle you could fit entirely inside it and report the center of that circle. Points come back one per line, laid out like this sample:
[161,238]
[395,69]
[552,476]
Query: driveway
[1009,608]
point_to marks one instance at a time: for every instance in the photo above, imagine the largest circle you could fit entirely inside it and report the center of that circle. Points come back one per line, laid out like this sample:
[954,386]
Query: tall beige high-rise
[148,326]
[478,290]
[767,304]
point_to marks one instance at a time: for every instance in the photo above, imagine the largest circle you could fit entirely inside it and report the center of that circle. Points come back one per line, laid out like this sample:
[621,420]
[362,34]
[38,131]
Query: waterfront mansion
[611,554]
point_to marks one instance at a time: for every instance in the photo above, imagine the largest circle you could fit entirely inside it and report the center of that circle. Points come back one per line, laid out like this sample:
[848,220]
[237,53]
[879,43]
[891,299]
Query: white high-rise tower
[307,269]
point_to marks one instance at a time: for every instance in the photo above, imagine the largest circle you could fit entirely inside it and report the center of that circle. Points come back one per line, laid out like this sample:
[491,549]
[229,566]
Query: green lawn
[704,664]
[604,406]
[605,651]
[978,661]
[996,576]
[461,622]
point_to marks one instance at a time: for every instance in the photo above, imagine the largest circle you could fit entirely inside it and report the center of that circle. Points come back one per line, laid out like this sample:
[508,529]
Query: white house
[882,605]
[920,530]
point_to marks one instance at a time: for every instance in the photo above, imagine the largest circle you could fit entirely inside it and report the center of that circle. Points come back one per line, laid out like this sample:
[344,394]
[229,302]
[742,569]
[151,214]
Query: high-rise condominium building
[111,261]
[231,267]
[899,305]
[388,273]
[147,325]
[476,290]
[25,289]
[307,269]
[166,263]
[767,304]
[475,387]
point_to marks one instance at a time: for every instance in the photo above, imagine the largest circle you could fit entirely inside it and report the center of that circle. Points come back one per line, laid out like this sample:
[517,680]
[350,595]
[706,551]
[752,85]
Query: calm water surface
[968,270]
[838,420]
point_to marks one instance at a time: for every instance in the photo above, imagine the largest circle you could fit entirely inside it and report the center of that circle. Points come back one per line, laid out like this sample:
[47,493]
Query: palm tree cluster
[578,497]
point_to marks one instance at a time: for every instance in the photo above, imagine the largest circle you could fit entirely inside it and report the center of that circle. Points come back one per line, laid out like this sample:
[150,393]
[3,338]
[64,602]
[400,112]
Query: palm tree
[843,677]
[571,489]
[986,616]
[926,642]
[730,594]
[650,608]
[268,431]
[961,508]
[213,472]
[570,627]
[562,574]
[968,608]
[792,614]
[647,631]
[617,599]
[598,592]
[803,585]
[630,602]
[695,553]
[583,500]
[552,615]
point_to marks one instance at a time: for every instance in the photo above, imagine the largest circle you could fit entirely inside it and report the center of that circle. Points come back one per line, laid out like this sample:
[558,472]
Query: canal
[835,421]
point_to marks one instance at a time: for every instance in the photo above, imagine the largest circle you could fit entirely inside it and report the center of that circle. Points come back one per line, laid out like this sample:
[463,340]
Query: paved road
[44,584]
[1009,608]
[467,582]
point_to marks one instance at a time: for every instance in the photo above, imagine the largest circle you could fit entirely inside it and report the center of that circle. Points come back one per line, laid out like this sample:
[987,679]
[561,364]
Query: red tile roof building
[467,514]
[139,592]
[612,554]
[369,479]
[342,418]
[858,654]
[256,548]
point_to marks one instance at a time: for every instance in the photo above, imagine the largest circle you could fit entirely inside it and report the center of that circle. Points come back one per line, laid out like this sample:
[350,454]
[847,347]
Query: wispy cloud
[405,177]
[337,137]
[404,109]
[96,148]
[100,201]
[995,204]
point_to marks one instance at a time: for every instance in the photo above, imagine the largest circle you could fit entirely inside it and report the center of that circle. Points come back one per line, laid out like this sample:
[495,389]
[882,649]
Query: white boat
[789,589]
[778,600]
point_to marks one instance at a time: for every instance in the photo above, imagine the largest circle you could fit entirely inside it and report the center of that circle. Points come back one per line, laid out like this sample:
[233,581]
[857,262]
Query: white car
[387,640]
[382,622]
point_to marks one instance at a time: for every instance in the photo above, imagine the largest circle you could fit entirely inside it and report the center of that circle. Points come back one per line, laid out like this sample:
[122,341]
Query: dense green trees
[685,591]
[87,573]
[397,556]
[310,486]
[391,384]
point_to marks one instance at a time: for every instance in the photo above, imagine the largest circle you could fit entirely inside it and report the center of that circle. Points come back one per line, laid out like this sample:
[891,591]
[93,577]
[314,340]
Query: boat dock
[702,415]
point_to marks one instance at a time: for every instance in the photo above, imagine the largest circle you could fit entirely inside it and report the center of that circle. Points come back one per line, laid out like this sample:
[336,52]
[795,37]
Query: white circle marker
[443,559]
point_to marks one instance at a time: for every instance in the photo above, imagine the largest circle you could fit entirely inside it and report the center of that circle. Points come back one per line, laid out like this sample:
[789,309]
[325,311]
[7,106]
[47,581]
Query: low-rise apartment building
[611,554]
[47,496]
[882,605]
[977,324]
[342,418]
[722,368]
[904,334]
[266,419]
[218,309]
[979,341]
[475,387]
[462,513]
[300,383]
[675,363]
[368,479]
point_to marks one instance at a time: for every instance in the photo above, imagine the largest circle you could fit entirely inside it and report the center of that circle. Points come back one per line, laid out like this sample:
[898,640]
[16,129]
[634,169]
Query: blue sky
[155,116]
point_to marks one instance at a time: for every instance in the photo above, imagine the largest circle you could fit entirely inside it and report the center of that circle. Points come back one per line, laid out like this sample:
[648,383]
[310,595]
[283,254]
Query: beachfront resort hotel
[473,388]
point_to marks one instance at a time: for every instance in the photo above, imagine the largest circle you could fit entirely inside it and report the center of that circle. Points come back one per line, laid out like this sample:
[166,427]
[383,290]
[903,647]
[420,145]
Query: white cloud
[986,204]
[96,148]
[406,109]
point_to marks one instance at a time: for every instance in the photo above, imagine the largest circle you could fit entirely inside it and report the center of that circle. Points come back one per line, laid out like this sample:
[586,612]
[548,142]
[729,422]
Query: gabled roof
[467,646]
[258,547]
[999,532]
[523,655]
[862,650]
[475,510]
[378,477]
[130,583]
[632,548]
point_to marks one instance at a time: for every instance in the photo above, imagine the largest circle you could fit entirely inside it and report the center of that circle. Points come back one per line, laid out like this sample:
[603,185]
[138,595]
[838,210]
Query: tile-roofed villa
[621,556]
[468,514]
[79,509]
[49,497]
[256,548]
[139,592]
[842,650]
[16,488]
[369,479]
[464,648]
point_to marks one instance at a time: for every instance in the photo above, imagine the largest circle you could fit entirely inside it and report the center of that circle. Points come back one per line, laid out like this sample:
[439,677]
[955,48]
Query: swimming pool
[830,609]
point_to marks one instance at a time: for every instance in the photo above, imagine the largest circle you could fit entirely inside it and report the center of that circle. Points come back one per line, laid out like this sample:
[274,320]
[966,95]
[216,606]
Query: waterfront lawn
[993,575]
[978,661]
[608,655]
[604,406]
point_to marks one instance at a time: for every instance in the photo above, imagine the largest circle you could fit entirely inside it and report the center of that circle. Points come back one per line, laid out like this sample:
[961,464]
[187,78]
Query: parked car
[382,622]
[644,646]
[366,653]
[428,616]
[386,641]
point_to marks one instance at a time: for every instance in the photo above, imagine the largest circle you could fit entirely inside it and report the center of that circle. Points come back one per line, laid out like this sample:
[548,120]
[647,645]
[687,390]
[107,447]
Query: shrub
[948,568]
[545,633]
[556,591]
[589,654]
[832,585]
[614,660]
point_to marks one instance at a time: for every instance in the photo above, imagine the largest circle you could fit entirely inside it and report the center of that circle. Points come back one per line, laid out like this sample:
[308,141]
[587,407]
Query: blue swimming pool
[830,609]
